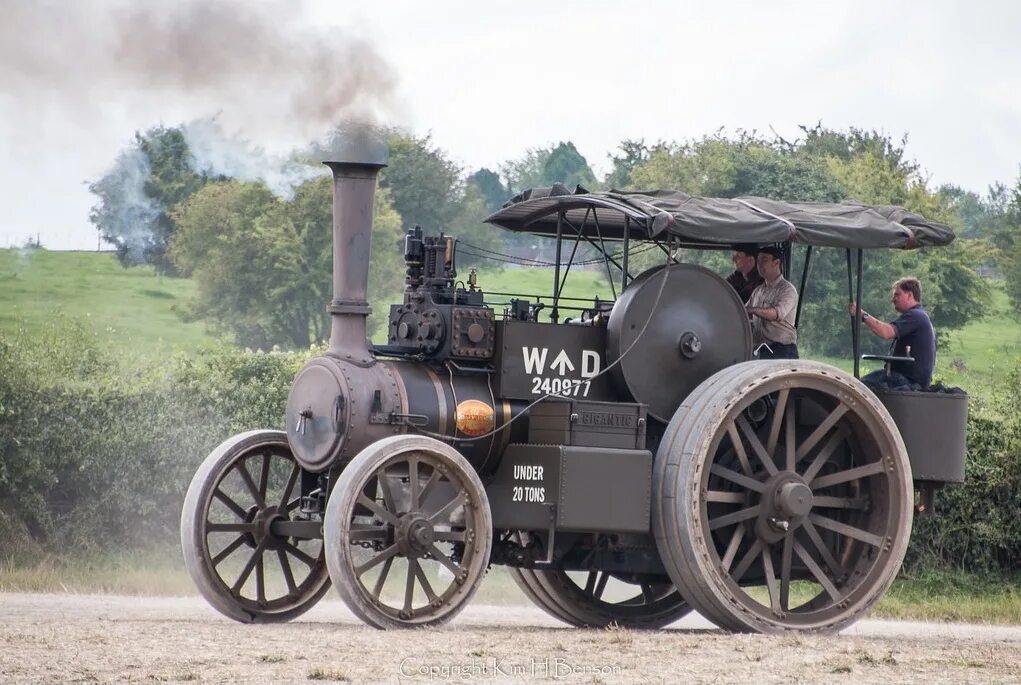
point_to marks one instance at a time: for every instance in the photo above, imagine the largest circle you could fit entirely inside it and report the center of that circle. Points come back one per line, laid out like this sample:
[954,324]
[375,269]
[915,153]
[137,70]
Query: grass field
[138,312]
[133,309]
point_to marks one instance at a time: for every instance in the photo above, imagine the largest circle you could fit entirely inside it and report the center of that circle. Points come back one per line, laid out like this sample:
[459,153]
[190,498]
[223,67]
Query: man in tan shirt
[772,307]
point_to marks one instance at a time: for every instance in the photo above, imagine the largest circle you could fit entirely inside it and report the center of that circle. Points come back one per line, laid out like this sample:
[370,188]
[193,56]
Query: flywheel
[698,326]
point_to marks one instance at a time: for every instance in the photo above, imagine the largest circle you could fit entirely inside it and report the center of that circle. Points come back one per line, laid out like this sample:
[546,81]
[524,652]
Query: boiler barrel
[461,406]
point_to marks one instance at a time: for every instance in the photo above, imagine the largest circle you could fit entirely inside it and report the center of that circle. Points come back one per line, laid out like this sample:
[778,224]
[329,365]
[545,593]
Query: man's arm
[767,313]
[881,328]
[788,301]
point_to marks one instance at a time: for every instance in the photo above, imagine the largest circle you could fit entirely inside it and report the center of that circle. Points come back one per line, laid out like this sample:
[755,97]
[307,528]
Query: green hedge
[97,458]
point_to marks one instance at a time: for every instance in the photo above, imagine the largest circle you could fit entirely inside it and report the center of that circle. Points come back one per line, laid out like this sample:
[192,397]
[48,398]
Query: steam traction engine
[626,466]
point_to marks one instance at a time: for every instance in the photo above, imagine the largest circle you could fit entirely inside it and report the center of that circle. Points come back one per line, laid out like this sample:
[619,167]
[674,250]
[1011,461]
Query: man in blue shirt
[912,334]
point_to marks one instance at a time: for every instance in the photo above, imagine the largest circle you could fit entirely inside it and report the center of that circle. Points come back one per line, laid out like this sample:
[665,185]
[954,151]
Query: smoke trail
[261,65]
[79,77]
[128,211]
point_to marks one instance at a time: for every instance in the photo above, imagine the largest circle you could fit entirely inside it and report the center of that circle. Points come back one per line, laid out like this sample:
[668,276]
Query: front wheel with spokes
[408,533]
[782,498]
[244,547]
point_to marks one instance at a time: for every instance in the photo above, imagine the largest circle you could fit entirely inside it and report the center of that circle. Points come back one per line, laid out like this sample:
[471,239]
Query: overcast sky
[489,80]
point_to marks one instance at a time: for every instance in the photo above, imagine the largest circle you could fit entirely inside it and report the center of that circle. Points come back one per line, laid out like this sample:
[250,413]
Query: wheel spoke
[285,568]
[249,567]
[735,477]
[250,484]
[423,580]
[824,551]
[449,507]
[820,431]
[735,517]
[735,440]
[790,440]
[845,476]
[260,580]
[757,447]
[844,529]
[293,504]
[826,502]
[409,587]
[227,551]
[725,497]
[230,527]
[817,571]
[449,563]
[596,585]
[823,456]
[291,480]
[231,504]
[367,532]
[771,584]
[449,535]
[413,484]
[264,476]
[376,509]
[300,555]
[423,495]
[779,411]
[387,553]
[785,573]
[384,487]
[732,547]
[746,561]
[378,587]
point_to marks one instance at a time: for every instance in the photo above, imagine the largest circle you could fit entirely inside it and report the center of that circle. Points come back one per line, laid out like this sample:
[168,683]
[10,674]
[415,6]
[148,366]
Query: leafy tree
[566,165]
[263,266]
[493,191]
[139,194]
[425,187]
[528,171]
[1007,239]
[632,153]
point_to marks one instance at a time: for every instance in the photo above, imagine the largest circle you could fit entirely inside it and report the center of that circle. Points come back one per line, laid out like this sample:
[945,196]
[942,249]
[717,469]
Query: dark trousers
[775,350]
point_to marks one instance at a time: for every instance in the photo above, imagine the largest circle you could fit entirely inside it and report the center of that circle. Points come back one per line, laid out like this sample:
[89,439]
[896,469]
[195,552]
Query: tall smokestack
[354,191]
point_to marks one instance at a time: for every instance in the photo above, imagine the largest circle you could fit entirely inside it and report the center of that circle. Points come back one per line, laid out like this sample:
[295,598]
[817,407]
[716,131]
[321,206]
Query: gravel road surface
[102,638]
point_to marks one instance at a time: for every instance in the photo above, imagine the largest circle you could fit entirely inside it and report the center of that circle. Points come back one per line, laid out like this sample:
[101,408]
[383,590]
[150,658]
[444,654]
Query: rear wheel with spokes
[597,599]
[408,533]
[244,548]
[782,498]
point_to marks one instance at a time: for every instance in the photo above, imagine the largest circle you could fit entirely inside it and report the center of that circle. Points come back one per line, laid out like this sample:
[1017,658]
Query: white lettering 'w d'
[535,359]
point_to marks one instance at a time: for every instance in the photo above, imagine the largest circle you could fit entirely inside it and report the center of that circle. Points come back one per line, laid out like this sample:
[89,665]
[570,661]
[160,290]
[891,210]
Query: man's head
[906,293]
[768,262]
[743,256]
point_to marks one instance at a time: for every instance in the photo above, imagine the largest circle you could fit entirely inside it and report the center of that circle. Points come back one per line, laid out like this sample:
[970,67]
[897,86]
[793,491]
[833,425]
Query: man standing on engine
[745,278]
[773,306]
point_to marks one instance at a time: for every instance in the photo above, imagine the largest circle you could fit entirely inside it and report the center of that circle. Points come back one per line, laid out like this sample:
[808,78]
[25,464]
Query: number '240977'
[560,386]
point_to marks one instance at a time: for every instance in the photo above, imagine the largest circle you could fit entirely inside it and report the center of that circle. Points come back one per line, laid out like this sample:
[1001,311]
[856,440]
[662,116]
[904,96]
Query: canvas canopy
[660,214]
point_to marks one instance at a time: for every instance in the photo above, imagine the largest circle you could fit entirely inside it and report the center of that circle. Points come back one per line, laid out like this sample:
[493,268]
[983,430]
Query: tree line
[262,262]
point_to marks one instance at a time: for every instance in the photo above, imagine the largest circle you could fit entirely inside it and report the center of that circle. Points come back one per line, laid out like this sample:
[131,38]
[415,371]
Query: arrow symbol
[563,362]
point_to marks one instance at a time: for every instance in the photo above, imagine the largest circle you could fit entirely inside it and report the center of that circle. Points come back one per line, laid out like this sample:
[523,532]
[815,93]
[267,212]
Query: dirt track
[75,638]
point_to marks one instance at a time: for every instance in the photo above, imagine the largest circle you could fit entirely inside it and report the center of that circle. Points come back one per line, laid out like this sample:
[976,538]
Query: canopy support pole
[627,243]
[850,298]
[554,315]
[857,319]
[606,257]
[804,281]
